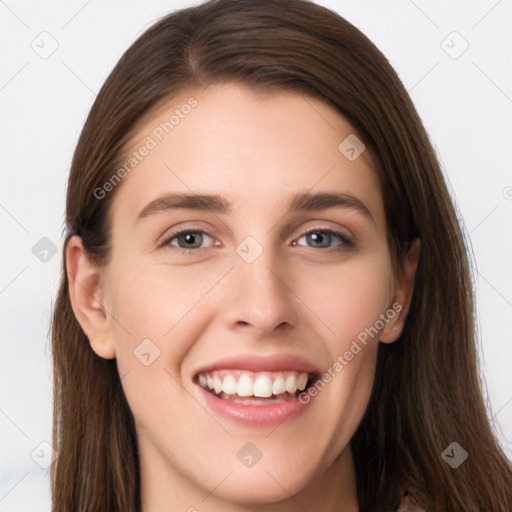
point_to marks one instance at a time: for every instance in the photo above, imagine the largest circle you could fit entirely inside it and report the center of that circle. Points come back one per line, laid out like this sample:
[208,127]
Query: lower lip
[259,415]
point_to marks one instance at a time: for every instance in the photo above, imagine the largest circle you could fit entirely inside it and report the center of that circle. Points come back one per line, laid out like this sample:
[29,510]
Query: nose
[261,299]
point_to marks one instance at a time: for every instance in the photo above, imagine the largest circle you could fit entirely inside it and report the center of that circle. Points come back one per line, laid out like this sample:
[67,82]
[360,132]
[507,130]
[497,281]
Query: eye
[186,239]
[323,238]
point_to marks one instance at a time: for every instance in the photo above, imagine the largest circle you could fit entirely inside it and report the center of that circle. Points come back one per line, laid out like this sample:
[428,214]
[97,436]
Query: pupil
[189,238]
[317,236]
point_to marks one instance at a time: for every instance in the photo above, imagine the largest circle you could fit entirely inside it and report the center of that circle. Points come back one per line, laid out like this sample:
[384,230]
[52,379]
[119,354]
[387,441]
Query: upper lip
[253,363]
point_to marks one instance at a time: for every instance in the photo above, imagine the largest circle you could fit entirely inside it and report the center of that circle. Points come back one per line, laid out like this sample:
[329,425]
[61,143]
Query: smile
[243,384]
[255,391]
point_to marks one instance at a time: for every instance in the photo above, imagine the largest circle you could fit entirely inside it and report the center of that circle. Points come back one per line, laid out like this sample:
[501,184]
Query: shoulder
[409,503]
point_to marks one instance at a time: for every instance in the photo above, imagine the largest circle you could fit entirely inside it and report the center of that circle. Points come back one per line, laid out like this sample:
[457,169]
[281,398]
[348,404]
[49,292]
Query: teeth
[291,384]
[257,384]
[245,386]
[279,386]
[229,385]
[263,386]
[302,381]
[217,384]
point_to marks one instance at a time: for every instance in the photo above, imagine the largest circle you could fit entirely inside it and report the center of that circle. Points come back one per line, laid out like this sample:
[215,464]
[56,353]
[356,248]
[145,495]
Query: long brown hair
[426,392]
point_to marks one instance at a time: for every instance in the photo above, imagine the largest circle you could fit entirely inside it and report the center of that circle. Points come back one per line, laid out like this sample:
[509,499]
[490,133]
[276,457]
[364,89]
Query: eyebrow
[304,201]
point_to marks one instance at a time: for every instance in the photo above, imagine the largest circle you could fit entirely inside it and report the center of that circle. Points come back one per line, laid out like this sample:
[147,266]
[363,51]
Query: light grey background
[464,100]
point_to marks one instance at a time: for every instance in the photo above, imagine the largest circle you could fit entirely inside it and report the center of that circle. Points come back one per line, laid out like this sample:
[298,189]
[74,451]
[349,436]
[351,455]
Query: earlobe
[402,296]
[86,296]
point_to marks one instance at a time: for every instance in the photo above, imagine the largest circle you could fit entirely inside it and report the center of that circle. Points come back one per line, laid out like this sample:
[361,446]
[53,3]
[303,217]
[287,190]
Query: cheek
[159,313]
[158,303]
[348,299]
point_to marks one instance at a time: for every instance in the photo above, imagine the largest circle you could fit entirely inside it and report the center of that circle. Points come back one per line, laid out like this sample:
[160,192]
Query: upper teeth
[259,384]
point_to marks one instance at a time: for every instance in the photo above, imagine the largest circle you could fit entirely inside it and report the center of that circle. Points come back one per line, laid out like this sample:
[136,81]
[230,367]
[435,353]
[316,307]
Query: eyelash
[346,242]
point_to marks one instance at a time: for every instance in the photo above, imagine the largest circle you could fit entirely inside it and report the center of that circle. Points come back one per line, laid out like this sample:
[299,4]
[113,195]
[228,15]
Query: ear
[86,295]
[402,296]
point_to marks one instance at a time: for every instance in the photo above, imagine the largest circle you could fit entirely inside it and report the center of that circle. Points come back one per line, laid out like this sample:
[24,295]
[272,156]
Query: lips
[278,362]
[256,390]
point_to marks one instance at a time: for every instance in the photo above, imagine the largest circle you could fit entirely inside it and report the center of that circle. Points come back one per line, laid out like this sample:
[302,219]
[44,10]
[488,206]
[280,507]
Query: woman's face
[246,301]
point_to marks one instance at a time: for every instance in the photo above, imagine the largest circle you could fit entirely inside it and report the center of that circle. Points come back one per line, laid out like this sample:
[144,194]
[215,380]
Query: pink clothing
[409,504]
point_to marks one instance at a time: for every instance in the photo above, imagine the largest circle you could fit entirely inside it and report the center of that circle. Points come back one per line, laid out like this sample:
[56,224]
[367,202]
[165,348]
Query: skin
[256,151]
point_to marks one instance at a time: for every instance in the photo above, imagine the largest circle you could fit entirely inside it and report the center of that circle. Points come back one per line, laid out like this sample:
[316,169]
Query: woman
[208,355]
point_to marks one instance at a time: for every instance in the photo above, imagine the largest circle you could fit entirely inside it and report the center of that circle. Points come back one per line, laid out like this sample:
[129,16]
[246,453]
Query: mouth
[248,387]
[257,391]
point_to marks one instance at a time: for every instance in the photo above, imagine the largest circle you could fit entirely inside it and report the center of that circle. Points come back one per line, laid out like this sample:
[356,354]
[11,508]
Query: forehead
[251,148]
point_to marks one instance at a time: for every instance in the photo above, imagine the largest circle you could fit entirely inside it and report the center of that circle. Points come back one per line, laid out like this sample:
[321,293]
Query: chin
[265,483]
